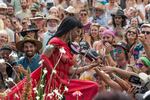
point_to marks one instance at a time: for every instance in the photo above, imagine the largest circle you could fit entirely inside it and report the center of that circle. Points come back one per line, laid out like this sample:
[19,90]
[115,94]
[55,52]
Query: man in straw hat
[70,11]
[39,21]
[52,24]
[30,47]
[100,16]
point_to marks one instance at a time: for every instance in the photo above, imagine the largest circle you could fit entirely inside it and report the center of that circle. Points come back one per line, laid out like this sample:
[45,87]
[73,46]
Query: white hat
[71,9]
[145,25]
[3,5]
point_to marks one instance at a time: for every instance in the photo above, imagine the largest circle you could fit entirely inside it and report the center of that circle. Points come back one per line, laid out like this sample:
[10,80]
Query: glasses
[69,14]
[83,14]
[139,65]
[145,32]
[131,32]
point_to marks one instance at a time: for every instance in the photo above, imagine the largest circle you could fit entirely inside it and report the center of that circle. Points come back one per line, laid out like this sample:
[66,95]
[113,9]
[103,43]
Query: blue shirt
[33,64]
[47,36]
[101,20]
[137,51]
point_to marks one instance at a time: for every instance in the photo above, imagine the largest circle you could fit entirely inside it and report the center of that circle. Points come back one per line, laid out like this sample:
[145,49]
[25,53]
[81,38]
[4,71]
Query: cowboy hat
[19,45]
[50,17]
[31,28]
[119,12]
[71,10]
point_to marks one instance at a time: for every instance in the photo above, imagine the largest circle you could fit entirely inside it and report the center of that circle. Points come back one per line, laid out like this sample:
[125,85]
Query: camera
[141,85]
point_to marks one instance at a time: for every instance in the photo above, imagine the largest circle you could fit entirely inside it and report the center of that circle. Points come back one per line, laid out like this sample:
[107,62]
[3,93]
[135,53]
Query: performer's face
[75,33]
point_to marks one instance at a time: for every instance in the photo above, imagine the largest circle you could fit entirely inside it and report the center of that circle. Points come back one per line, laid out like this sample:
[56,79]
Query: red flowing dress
[88,88]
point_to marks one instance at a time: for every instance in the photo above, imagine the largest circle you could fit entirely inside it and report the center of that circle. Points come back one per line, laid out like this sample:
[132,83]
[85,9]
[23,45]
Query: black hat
[119,12]
[31,28]
[6,47]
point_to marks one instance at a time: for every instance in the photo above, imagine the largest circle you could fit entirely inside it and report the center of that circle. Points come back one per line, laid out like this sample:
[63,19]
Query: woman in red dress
[62,63]
[67,32]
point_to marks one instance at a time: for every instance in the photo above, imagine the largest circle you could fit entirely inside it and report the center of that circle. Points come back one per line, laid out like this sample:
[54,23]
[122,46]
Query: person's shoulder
[21,59]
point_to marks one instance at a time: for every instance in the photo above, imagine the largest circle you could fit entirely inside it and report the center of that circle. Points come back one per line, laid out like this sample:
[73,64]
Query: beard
[52,29]
[29,54]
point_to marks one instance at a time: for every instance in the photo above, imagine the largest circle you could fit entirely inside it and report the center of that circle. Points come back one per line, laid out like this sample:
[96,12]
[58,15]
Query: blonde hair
[1,24]
[5,32]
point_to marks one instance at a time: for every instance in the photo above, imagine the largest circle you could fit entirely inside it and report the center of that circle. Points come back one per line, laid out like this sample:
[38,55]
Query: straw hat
[71,9]
[38,15]
[20,44]
[53,17]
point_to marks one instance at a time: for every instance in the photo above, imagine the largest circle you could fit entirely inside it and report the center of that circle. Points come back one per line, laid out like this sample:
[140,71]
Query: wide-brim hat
[6,47]
[3,5]
[31,28]
[20,44]
[38,15]
[51,17]
[71,10]
[119,12]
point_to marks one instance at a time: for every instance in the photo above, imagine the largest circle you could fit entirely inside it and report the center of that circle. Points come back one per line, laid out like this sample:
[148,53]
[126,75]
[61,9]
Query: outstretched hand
[108,69]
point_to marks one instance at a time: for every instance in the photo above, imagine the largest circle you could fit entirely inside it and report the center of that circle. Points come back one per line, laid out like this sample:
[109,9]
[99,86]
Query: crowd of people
[98,47]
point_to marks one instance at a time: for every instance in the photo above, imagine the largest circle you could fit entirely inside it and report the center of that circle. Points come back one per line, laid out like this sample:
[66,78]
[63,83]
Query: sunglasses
[131,32]
[117,51]
[139,65]
[83,14]
[69,14]
[145,32]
